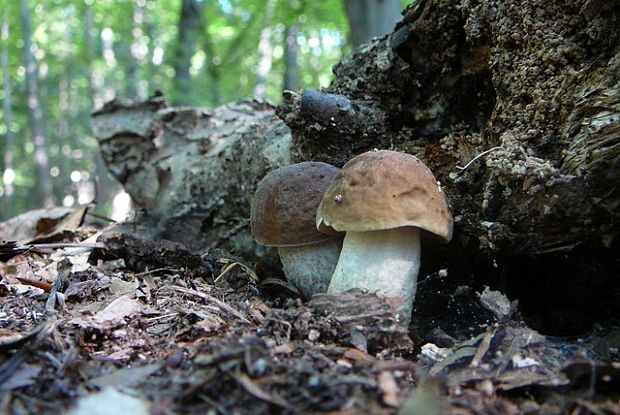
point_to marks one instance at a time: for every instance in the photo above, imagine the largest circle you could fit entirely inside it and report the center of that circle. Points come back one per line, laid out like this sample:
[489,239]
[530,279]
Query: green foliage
[90,51]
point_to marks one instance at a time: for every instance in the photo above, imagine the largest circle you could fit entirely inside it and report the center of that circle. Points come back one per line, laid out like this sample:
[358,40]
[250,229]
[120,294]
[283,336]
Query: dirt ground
[92,316]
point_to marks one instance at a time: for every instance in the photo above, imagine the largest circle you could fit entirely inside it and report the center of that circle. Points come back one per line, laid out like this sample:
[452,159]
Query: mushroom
[382,199]
[283,214]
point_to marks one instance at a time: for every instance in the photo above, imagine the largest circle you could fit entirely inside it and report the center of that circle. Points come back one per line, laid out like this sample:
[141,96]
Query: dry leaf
[390,388]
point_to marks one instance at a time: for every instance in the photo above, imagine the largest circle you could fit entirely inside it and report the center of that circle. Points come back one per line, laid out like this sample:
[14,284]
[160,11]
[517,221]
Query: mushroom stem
[385,262]
[310,267]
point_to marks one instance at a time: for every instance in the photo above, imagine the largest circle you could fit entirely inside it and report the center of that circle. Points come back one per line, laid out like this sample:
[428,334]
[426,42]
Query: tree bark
[193,171]
[133,90]
[9,138]
[370,18]
[211,67]
[291,68]
[44,183]
[515,107]
[105,186]
[263,67]
[190,21]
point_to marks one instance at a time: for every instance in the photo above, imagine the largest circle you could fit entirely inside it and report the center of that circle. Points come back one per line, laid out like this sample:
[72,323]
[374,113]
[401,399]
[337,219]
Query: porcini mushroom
[283,214]
[382,200]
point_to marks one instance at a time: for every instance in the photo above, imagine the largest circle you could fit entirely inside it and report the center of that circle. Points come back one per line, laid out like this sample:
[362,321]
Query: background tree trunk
[211,67]
[370,18]
[132,69]
[264,54]
[291,68]
[105,186]
[190,21]
[44,183]
[9,139]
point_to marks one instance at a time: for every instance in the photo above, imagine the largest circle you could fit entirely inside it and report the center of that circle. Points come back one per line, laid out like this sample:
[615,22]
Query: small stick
[68,245]
[222,305]
[45,286]
[477,157]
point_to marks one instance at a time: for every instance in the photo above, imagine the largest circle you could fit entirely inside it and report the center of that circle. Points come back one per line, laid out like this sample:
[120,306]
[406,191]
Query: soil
[163,329]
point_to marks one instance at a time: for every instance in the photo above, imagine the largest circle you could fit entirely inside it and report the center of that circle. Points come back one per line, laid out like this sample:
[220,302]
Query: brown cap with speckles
[385,189]
[284,206]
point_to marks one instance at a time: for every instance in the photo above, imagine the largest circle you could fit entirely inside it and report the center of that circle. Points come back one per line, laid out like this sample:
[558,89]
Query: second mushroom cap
[385,189]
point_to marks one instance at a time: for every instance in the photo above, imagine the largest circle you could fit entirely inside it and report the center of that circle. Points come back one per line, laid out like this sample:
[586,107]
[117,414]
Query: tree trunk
[90,43]
[63,138]
[516,109]
[44,184]
[514,106]
[264,54]
[370,18]
[9,139]
[151,34]
[105,186]
[291,68]
[133,60]
[193,171]
[211,68]
[190,21]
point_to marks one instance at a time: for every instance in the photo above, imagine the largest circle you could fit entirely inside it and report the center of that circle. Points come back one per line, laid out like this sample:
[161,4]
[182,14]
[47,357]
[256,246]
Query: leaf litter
[158,328]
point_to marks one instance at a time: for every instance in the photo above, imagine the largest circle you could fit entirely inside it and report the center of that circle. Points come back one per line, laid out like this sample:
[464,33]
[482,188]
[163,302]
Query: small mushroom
[382,199]
[283,214]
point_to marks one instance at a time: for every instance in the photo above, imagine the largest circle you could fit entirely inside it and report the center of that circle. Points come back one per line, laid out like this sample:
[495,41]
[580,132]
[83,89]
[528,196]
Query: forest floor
[90,316]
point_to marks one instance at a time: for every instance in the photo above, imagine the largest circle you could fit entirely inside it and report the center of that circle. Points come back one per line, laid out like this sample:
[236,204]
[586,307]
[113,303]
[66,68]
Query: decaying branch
[529,91]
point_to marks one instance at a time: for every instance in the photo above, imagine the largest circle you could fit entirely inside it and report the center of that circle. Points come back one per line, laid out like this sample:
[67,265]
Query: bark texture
[189,25]
[193,171]
[9,139]
[368,18]
[35,115]
[514,106]
[516,109]
[535,85]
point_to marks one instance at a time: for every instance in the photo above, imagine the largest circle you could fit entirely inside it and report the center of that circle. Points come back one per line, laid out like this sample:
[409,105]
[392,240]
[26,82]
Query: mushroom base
[310,267]
[384,262]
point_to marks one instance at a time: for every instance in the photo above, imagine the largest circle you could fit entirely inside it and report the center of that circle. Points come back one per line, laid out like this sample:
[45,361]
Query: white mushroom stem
[310,267]
[383,262]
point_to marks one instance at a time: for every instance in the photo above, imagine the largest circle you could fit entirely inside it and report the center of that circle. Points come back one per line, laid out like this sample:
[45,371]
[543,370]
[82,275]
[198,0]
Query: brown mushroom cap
[385,189]
[284,206]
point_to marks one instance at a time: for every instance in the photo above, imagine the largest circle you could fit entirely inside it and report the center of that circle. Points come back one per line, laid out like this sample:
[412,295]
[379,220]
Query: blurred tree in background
[61,59]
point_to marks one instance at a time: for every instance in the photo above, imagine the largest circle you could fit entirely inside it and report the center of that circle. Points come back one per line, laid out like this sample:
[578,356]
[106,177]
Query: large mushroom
[382,199]
[283,214]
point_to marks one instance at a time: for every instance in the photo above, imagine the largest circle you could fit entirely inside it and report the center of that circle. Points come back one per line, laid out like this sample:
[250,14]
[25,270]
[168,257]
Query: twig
[45,286]
[152,271]
[230,266]
[477,157]
[222,305]
[51,299]
[60,245]
[102,217]
[483,348]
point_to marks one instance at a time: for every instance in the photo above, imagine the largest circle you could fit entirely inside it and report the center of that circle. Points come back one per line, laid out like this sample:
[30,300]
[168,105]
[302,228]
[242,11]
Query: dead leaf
[112,315]
[497,303]
[425,399]
[47,228]
[9,249]
[257,392]
[99,404]
[390,388]
[126,377]
[26,375]
[22,228]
